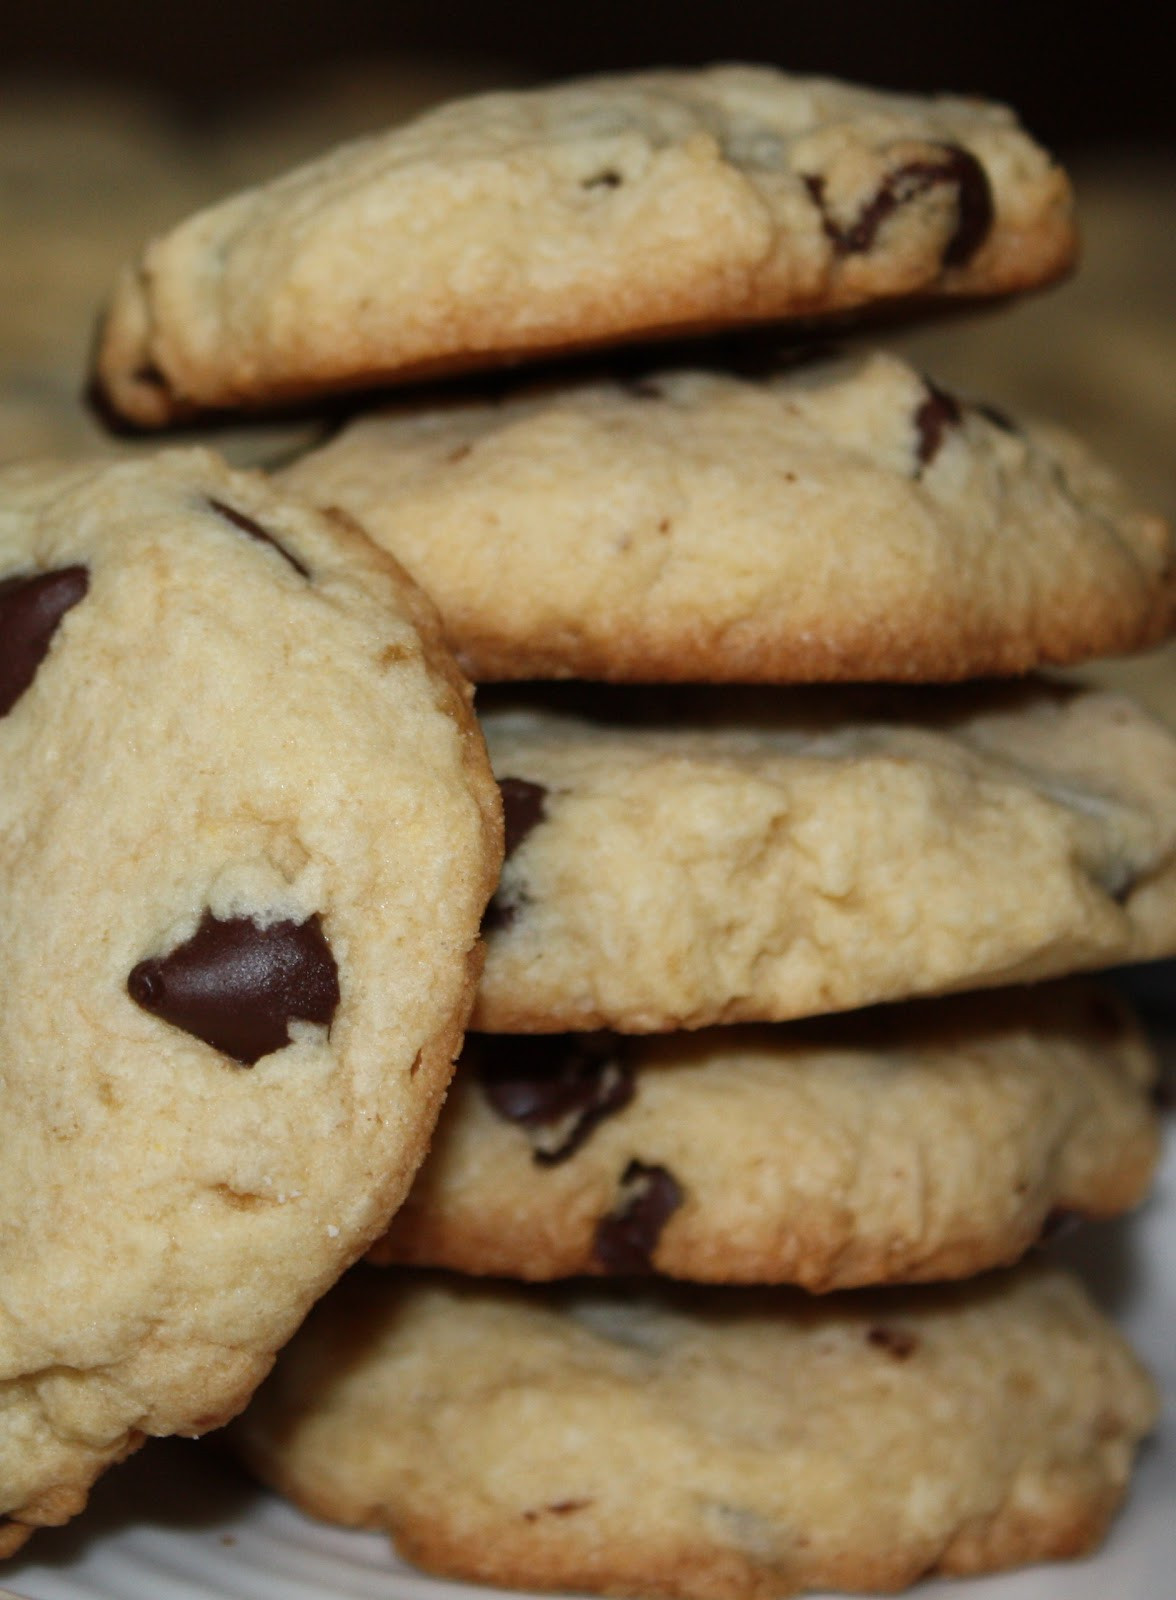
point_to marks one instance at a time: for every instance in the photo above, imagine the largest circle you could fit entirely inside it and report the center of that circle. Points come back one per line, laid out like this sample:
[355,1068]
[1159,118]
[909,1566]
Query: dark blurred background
[1081,75]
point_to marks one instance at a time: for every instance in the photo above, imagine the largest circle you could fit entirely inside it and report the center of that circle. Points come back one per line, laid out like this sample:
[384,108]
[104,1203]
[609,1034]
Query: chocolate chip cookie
[676,859]
[247,832]
[927,1141]
[741,1443]
[518,224]
[840,520]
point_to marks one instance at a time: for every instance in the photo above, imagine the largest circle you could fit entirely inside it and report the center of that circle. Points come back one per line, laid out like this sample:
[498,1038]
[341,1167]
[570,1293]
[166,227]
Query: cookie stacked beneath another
[704,857]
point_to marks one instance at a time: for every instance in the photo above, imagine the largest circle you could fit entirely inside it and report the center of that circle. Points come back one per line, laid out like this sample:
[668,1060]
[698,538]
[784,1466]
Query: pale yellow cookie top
[247,831]
[679,859]
[841,520]
[741,1443]
[921,1142]
[592,212]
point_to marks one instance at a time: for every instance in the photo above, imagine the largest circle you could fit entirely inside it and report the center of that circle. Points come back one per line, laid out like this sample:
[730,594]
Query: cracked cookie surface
[681,858]
[525,223]
[706,1446]
[917,1143]
[229,1006]
[836,520]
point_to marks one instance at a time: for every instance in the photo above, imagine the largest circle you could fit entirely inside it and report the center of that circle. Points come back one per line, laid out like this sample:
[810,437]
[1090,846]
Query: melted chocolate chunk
[523,807]
[627,1237]
[955,166]
[975,210]
[256,531]
[938,413]
[30,610]
[556,1088]
[499,914]
[238,987]
[900,1343]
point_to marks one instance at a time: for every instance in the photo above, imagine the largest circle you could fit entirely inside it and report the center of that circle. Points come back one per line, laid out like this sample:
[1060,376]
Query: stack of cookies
[779,782]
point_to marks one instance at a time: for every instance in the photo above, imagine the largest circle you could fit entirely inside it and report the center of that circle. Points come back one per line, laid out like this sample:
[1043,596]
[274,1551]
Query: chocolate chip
[610,178]
[938,413]
[628,1236]
[644,389]
[30,609]
[900,1343]
[500,913]
[955,166]
[974,208]
[238,986]
[558,1088]
[256,531]
[523,806]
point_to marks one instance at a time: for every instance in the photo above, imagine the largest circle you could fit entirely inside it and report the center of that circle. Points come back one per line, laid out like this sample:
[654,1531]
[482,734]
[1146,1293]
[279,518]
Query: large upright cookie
[678,859]
[707,1446]
[923,1142]
[840,521]
[247,831]
[518,224]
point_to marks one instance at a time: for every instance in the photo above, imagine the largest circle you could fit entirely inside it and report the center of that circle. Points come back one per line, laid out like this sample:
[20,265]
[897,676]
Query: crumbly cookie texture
[708,1447]
[516,224]
[844,520]
[680,859]
[247,832]
[927,1142]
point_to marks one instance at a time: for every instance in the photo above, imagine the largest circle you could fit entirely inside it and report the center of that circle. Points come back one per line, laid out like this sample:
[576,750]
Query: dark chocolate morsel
[238,986]
[557,1088]
[954,165]
[523,807]
[627,1237]
[938,413]
[256,531]
[30,609]
[901,1343]
[610,178]
[975,210]
[499,914]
